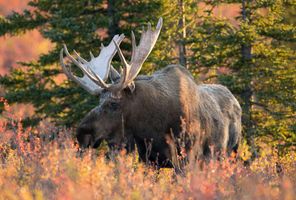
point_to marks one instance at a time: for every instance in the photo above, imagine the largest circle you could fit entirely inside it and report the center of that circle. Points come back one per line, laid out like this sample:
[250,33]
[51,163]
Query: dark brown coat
[153,114]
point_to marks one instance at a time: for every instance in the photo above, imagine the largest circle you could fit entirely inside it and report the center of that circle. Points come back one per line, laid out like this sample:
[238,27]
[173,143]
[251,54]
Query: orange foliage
[227,11]
[44,163]
[23,48]
[12,5]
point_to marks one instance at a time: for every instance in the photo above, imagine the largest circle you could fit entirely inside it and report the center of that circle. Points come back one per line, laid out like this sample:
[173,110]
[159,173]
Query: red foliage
[23,48]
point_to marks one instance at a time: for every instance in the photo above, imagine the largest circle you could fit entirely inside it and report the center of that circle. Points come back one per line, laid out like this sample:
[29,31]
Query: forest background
[247,45]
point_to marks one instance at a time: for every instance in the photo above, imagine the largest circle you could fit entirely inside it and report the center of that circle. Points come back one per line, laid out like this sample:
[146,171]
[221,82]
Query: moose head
[106,121]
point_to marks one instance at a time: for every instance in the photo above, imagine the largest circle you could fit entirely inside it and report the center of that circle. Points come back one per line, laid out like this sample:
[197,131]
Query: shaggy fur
[163,109]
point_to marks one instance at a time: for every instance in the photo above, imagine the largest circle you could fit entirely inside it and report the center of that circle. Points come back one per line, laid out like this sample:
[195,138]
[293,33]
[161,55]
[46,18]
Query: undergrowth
[44,163]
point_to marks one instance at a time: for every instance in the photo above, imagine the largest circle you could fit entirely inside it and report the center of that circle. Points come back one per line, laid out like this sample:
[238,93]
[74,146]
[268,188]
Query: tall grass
[43,163]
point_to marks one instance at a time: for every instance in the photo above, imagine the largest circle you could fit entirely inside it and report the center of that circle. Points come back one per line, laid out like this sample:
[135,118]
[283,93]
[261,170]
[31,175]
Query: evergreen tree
[181,19]
[254,58]
[262,66]
[83,26]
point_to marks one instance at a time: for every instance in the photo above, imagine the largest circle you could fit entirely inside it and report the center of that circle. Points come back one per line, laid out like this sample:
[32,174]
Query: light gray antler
[139,55]
[95,72]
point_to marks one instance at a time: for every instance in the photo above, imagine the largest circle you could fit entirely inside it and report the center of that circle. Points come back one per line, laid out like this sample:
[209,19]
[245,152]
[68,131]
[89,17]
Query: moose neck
[154,107]
[160,101]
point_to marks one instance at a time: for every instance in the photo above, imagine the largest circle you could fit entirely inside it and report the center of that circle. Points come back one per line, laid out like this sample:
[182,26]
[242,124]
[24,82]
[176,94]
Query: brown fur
[154,112]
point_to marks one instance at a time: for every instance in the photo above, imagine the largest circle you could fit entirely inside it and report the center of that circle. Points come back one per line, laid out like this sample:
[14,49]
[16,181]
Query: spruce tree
[254,58]
[261,65]
[83,26]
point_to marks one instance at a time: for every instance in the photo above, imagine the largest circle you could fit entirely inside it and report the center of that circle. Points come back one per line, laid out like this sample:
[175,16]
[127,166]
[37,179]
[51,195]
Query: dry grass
[43,163]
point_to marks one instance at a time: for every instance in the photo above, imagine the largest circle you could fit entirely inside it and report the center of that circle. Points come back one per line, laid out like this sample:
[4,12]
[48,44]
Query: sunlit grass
[43,163]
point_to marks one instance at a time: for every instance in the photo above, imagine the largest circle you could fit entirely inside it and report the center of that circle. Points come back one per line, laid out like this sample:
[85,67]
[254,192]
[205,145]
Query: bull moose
[150,110]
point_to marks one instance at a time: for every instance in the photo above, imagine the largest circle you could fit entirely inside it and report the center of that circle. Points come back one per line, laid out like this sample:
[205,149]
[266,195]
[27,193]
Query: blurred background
[24,47]
[19,48]
[249,46]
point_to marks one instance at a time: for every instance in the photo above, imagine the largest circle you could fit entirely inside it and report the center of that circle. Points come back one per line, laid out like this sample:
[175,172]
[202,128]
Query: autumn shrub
[44,163]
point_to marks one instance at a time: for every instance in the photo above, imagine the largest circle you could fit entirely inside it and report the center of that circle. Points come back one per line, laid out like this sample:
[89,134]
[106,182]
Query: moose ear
[131,87]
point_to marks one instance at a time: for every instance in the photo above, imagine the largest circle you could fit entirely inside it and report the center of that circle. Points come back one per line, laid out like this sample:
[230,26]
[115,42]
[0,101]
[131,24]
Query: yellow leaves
[38,195]
[54,169]
[244,151]
[124,178]
[8,195]
[71,170]
[136,195]
[26,194]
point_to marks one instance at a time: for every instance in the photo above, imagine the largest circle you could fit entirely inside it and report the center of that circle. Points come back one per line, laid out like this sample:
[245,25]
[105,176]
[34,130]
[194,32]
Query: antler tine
[91,55]
[149,26]
[71,57]
[94,77]
[141,52]
[159,24]
[64,66]
[139,55]
[96,71]
[134,45]
[121,56]
[83,61]
[89,72]
[79,81]
[126,68]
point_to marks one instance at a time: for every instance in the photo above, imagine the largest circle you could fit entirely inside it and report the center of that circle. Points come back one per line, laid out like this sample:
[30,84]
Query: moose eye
[114,106]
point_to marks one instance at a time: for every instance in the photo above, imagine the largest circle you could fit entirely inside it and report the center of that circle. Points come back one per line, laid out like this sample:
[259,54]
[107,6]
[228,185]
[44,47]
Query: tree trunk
[247,95]
[113,28]
[182,36]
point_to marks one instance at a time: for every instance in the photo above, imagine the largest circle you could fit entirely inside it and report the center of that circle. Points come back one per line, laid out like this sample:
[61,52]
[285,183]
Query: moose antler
[96,71]
[139,55]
